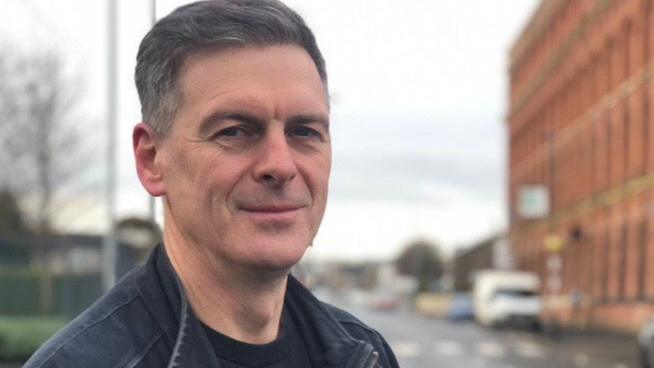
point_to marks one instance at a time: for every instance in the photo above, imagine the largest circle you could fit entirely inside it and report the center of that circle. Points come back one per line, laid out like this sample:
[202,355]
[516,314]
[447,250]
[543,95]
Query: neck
[235,300]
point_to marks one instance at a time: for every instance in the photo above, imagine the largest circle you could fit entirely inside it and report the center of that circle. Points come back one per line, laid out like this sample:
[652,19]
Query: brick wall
[581,93]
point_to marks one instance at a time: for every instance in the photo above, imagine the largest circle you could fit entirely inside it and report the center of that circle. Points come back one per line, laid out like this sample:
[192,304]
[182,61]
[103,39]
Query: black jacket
[146,321]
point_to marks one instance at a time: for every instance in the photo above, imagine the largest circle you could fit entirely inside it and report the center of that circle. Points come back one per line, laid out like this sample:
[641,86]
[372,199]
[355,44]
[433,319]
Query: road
[428,343]
[431,343]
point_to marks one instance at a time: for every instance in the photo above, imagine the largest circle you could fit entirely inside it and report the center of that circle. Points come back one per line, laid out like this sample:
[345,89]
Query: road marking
[406,349]
[527,349]
[580,360]
[448,348]
[479,363]
[491,349]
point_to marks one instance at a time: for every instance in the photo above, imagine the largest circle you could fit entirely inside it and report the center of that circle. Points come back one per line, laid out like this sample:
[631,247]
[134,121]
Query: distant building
[490,253]
[55,253]
[79,253]
[581,162]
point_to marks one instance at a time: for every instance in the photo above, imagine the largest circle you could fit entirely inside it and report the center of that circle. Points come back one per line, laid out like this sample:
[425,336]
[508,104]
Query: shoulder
[116,331]
[353,325]
[347,319]
[361,331]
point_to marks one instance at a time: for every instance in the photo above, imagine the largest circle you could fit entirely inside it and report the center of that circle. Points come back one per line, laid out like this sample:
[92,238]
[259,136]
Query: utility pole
[153,200]
[110,245]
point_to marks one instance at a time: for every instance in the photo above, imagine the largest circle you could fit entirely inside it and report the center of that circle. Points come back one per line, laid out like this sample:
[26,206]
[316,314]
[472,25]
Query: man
[236,140]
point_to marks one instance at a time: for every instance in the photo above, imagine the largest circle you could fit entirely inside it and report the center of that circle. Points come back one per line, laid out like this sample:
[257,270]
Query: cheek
[317,168]
[322,176]
[221,177]
[189,174]
[318,182]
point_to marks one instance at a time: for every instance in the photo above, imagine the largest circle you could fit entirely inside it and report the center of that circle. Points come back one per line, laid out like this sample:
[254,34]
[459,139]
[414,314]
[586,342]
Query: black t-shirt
[288,351]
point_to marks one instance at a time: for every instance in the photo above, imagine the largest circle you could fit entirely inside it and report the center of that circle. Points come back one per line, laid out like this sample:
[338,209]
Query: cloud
[419,160]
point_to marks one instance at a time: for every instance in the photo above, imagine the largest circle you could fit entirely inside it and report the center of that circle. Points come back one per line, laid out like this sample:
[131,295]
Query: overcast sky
[418,91]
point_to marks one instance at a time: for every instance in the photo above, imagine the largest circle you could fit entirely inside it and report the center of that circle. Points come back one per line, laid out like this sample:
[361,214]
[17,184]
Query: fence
[28,292]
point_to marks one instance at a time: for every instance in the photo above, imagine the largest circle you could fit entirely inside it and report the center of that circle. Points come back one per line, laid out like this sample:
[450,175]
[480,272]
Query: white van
[506,298]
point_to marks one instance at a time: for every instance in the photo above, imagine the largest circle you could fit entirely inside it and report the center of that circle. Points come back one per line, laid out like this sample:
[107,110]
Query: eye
[233,131]
[304,132]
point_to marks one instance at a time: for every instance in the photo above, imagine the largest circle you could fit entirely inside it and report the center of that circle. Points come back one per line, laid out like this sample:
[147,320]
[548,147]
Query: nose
[275,164]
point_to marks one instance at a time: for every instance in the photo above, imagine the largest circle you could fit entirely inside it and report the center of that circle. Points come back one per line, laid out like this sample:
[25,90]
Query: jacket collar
[329,345]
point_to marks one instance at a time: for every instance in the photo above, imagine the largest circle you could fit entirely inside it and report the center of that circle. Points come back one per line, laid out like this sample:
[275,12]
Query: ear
[145,154]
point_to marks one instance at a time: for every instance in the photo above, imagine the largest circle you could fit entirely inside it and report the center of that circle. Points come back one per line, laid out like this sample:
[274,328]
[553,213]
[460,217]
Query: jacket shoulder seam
[88,325]
[346,318]
[357,324]
[139,358]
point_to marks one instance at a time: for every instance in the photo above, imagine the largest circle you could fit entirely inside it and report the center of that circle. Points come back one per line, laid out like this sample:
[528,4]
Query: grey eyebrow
[212,119]
[310,118]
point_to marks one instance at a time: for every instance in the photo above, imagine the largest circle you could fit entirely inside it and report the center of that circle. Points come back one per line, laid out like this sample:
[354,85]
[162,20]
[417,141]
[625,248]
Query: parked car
[503,298]
[646,344]
[461,308]
[385,302]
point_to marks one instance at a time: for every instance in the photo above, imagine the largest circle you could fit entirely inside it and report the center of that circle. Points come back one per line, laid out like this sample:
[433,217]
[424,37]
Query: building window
[622,248]
[606,264]
[642,257]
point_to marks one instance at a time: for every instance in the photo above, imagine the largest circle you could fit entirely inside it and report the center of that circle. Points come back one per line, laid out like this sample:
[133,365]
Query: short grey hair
[206,25]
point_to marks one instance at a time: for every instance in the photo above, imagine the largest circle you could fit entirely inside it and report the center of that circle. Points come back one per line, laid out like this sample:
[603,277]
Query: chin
[278,257]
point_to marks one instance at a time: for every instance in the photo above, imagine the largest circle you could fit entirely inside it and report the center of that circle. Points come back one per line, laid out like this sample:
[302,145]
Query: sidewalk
[607,348]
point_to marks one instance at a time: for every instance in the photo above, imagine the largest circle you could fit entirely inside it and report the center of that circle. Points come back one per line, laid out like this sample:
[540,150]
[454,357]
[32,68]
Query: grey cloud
[418,160]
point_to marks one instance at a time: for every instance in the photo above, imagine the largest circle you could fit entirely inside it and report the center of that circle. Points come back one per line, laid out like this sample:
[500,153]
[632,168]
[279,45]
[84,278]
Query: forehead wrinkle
[257,104]
[233,88]
[247,70]
[249,104]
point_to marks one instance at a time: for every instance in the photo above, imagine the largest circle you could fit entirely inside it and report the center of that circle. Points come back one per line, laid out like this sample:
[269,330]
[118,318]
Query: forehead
[273,81]
[232,65]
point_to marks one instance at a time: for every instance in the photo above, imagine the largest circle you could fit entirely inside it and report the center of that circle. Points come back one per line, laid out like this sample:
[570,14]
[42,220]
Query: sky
[418,92]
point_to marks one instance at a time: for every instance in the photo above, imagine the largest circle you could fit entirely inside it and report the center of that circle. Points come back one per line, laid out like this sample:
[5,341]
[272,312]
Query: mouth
[273,213]
[271,208]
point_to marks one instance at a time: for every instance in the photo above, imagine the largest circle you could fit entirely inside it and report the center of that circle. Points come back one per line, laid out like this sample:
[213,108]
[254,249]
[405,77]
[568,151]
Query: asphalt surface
[423,343]
[431,343]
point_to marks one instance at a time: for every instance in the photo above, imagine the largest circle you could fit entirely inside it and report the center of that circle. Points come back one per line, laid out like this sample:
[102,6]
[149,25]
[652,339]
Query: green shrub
[21,336]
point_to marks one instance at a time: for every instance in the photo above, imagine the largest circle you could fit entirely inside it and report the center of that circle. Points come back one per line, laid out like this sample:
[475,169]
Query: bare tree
[42,149]
[11,218]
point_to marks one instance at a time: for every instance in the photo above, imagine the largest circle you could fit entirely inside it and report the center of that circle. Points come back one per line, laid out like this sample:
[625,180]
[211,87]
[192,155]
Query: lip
[272,213]
[271,208]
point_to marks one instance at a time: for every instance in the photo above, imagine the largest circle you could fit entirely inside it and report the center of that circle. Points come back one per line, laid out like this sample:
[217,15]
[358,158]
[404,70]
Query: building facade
[490,253]
[581,159]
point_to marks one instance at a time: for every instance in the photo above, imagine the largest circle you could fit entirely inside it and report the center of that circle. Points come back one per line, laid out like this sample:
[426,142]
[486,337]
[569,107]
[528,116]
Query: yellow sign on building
[554,243]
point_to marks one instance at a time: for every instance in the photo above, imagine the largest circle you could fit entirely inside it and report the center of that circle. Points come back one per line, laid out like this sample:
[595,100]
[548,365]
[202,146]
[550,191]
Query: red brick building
[580,125]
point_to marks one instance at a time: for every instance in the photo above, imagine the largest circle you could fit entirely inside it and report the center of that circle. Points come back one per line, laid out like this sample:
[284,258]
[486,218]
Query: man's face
[246,163]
